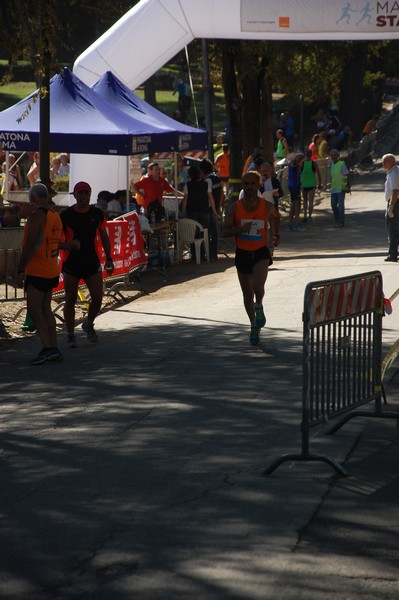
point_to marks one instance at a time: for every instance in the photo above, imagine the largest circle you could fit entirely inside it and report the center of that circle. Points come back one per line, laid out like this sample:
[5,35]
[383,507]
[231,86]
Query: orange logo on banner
[284,21]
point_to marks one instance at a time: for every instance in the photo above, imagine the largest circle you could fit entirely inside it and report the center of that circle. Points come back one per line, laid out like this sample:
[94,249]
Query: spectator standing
[222,167]
[271,191]
[334,124]
[255,157]
[218,147]
[208,173]
[323,149]
[182,173]
[392,198]
[40,269]
[340,184]
[55,168]
[151,187]
[81,224]
[64,166]
[198,198]
[247,221]
[289,129]
[294,188]
[314,146]
[184,97]
[34,171]
[15,174]
[319,120]
[309,173]
[282,145]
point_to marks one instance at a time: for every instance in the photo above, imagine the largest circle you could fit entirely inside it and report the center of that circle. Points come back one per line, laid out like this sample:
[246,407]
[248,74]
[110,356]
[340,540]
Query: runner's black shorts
[82,271]
[245,259]
[42,284]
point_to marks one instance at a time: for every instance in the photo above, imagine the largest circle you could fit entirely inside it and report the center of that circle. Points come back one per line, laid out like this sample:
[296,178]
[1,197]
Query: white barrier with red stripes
[195,154]
[329,302]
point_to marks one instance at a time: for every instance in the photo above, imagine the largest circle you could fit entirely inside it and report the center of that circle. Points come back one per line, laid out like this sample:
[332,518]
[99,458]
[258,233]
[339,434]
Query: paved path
[133,470]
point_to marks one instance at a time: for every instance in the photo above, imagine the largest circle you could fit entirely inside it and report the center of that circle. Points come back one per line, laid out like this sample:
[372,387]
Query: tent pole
[127,182]
[6,184]
[207,87]
[175,174]
[191,86]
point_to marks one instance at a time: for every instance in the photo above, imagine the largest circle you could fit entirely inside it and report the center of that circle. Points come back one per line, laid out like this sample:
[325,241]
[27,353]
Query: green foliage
[61,184]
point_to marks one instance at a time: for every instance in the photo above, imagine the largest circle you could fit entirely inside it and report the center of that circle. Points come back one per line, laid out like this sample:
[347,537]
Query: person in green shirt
[218,147]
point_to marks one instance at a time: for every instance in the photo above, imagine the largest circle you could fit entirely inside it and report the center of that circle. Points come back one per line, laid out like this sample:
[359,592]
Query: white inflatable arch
[154,31]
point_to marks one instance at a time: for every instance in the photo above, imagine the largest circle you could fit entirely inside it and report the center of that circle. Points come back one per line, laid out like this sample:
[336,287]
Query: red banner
[127,247]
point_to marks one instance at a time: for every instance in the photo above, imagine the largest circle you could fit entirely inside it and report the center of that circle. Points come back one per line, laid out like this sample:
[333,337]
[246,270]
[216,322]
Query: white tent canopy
[154,31]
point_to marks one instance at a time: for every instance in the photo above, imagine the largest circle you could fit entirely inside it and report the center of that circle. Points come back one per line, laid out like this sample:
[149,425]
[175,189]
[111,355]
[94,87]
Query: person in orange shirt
[39,269]
[222,166]
[247,220]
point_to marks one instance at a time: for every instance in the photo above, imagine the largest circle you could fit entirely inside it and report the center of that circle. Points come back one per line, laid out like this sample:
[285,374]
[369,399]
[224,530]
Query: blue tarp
[116,92]
[82,122]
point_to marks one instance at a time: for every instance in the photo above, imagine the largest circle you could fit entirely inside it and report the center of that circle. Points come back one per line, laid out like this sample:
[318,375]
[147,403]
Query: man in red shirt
[152,187]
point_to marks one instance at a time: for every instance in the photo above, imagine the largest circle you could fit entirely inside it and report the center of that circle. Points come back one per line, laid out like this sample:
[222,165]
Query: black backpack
[156,208]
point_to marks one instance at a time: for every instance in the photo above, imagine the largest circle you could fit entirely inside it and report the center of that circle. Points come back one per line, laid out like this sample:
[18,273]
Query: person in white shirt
[392,198]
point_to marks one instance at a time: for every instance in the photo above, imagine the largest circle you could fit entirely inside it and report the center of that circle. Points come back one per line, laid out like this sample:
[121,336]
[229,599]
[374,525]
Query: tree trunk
[150,91]
[250,113]
[352,88]
[266,116]
[233,108]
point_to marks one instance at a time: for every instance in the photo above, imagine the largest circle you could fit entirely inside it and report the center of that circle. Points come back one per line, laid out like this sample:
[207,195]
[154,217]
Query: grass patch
[11,93]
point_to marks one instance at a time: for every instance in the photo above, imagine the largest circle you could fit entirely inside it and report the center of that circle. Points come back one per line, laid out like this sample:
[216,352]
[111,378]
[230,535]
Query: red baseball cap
[81,185]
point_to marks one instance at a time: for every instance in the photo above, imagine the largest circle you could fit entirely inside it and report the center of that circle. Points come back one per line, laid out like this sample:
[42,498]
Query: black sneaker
[390,259]
[46,355]
[89,331]
[71,343]
[54,354]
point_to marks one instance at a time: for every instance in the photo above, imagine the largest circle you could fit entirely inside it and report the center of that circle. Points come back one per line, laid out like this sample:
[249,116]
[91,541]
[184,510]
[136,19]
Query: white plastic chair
[187,229]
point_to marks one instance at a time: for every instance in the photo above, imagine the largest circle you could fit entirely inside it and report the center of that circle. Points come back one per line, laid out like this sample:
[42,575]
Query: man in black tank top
[208,174]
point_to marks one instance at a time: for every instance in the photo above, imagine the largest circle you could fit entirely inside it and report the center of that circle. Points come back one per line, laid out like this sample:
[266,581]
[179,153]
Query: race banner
[127,247]
[307,17]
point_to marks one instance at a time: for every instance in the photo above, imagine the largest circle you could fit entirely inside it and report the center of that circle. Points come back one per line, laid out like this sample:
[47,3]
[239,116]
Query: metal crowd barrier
[9,261]
[342,342]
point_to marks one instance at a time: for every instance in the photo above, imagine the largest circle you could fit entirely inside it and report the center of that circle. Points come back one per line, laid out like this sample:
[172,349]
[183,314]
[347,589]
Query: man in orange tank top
[247,220]
[40,269]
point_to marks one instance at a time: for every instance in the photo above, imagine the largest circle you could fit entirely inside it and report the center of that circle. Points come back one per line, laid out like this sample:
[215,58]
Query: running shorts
[245,259]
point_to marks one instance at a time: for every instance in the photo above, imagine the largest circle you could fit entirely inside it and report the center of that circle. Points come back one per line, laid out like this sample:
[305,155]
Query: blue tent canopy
[82,122]
[113,90]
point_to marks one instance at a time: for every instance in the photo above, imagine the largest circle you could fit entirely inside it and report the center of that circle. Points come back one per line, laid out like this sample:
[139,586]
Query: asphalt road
[133,469]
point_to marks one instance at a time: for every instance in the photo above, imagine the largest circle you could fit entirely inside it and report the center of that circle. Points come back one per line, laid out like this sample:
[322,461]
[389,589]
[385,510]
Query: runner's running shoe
[254,336]
[260,318]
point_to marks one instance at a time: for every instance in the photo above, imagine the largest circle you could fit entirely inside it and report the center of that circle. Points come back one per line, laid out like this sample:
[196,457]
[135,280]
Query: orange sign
[283,21]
